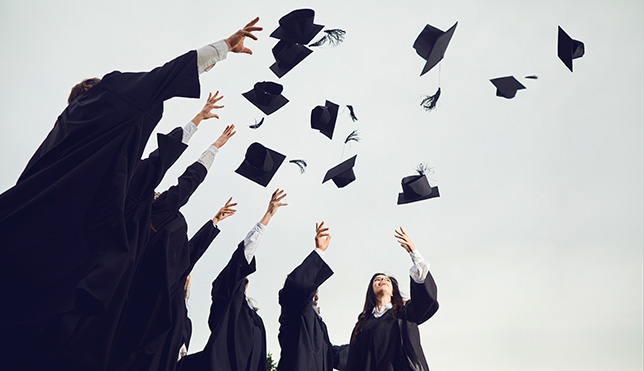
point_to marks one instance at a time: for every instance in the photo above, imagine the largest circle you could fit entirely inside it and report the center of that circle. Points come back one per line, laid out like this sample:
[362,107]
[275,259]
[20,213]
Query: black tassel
[353,115]
[301,164]
[423,169]
[257,124]
[334,37]
[429,102]
[533,77]
[354,136]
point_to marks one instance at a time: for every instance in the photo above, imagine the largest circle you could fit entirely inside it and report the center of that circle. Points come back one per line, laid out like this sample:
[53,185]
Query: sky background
[536,242]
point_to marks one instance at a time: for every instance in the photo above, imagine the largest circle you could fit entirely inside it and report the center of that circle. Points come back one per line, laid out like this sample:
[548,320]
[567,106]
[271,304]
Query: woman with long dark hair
[386,335]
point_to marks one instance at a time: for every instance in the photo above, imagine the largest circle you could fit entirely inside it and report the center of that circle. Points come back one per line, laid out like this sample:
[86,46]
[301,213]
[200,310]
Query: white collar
[378,313]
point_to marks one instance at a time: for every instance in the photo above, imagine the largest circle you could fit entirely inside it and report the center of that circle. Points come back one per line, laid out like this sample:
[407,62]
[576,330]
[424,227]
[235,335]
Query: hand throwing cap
[507,86]
[431,45]
[260,164]
[568,48]
[288,55]
[416,188]
[323,118]
[298,27]
[267,96]
[343,173]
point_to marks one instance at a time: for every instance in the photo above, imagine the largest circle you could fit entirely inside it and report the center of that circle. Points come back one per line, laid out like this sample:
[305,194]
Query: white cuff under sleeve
[320,252]
[210,54]
[208,157]
[252,241]
[419,270]
[188,132]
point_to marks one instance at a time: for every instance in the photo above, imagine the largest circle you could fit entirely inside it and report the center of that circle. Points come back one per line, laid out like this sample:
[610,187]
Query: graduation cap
[297,26]
[431,45]
[568,48]
[267,96]
[342,174]
[507,86]
[260,164]
[416,188]
[323,118]
[288,55]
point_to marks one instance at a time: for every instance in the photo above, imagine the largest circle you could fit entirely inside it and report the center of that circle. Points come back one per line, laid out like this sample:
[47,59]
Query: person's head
[82,87]
[381,287]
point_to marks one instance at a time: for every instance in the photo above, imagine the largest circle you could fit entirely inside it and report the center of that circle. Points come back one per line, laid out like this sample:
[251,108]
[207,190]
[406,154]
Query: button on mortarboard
[323,118]
[267,96]
[431,45]
[297,26]
[568,48]
[342,174]
[507,86]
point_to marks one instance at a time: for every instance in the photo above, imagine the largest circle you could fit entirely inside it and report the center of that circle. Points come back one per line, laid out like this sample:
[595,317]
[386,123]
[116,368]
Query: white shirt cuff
[252,241]
[208,157]
[419,270]
[320,252]
[188,132]
[210,54]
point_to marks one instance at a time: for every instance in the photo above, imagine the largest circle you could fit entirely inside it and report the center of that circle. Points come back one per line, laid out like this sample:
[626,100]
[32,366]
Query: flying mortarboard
[297,26]
[507,86]
[288,55]
[431,45]
[416,188]
[267,96]
[342,174]
[568,48]
[260,164]
[323,118]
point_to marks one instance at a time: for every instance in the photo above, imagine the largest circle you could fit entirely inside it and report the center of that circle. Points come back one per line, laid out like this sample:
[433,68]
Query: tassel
[257,124]
[300,163]
[423,169]
[334,37]
[429,102]
[354,136]
[533,77]
[353,115]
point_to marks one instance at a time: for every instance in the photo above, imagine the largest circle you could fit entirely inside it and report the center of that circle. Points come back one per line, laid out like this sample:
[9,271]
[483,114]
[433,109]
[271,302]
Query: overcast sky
[536,242]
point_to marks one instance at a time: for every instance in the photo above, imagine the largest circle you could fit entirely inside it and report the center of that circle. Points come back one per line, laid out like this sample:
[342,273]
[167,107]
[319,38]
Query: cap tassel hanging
[352,113]
[354,136]
[301,164]
[424,169]
[334,37]
[429,102]
[257,124]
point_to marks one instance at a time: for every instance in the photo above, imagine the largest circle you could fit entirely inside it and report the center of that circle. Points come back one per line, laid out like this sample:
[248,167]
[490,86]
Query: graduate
[73,193]
[303,335]
[238,337]
[386,336]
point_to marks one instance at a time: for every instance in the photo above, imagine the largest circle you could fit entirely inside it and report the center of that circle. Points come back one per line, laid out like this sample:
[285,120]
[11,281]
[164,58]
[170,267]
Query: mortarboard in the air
[323,118]
[416,188]
[507,86]
[297,26]
[260,164]
[568,48]
[267,96]
[288,55]
[342,174]
[431,45]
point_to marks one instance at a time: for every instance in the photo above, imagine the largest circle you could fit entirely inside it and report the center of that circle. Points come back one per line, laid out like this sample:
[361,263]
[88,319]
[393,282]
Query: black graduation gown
[303,335]
[238,338]
[388,343]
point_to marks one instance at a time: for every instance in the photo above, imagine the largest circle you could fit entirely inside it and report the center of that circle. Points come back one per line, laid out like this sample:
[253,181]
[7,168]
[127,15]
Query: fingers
[252,23]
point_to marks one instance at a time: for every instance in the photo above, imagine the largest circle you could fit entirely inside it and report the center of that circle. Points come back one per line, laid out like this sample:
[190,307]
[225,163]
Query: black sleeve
[302,282]
[199,243]
[424,300]
[340,356]
[170,201]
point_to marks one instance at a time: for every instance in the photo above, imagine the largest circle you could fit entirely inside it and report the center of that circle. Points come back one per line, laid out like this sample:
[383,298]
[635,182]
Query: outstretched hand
[229,131]
[322,239]
[404,240]
[273,205]
[225,211]
[205,112]
[236,41]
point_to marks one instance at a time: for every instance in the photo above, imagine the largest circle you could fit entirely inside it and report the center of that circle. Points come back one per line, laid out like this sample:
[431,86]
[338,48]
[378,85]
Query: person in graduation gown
[303,335]
[73,192]
[386,336]
[237,335]
[165,265]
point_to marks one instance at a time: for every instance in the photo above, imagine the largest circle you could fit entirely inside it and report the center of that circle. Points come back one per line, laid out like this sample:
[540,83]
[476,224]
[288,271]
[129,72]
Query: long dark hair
[370,302]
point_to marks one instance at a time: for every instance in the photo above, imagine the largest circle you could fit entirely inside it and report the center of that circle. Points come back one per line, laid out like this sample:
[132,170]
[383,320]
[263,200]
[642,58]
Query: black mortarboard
[431,45]
[260,164]
[323,118]
[288,55]
[342,174]
[416,188]
[297,26]
[507,86]
[267,96]
[568,48]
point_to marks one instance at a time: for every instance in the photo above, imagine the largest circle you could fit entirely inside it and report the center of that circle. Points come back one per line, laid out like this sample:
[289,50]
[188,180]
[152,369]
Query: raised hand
[404,240]
[229,131]
[322,239]
[205,112]
[225,211]
[273,205]
[236,41]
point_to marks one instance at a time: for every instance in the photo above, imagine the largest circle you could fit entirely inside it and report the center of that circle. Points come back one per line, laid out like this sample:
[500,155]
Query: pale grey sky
[536,242]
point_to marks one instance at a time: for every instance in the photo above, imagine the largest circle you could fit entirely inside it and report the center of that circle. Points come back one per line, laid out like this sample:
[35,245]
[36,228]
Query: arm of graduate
[340,356]
[302,283]
[423,291]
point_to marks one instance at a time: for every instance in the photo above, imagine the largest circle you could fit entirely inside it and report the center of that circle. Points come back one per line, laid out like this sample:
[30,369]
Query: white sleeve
[210,54]
[188,132]
[208,157]
[320,252]
[419,270]
[252,241]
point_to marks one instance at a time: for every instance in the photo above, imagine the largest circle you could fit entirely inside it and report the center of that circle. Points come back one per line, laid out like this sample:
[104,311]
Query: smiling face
[381,285]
